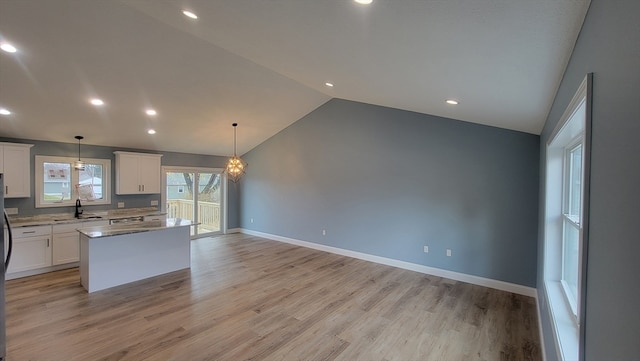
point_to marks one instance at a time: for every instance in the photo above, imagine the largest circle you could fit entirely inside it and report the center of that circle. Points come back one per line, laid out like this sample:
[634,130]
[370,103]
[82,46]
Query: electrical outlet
[154,203]
[11,210]
[448,253]
[251,220]
[426,249]
[120,204]
[324,232]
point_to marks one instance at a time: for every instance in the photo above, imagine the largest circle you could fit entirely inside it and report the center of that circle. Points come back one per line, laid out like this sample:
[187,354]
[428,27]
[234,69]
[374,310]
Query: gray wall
[26,206]
[386,182]
[608,46]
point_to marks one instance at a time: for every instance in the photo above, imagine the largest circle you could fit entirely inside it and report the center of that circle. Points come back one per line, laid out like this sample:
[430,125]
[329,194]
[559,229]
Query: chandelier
[235,166]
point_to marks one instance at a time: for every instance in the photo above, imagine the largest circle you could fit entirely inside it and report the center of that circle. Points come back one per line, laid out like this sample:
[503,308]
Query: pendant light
[235,166]
[78,164]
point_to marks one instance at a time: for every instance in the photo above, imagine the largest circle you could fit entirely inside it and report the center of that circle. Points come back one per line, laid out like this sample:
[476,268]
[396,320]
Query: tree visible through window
[195,194]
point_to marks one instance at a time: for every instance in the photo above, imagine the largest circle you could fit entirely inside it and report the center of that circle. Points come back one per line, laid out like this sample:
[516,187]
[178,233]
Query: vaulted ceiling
[264,65]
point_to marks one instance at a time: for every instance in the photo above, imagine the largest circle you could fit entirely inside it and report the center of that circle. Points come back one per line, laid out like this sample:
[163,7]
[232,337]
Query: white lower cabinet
[66,241]
[31,249]
[43,249]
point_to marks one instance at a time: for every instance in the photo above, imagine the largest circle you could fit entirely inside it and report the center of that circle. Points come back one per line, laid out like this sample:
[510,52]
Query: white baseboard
[234,230]
[12,276]
[476,280]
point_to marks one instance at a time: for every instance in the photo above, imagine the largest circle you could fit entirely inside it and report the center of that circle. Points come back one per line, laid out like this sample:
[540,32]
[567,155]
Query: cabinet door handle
[26,232]
[47,242]
[143,187]
[6,189]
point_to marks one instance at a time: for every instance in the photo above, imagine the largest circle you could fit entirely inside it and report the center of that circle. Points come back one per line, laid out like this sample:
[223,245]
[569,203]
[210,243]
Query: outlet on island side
[324,232]
[426,249]
[251,220]
[448,253]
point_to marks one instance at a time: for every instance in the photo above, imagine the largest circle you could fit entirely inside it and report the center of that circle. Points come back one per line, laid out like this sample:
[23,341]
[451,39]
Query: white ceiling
[264,63]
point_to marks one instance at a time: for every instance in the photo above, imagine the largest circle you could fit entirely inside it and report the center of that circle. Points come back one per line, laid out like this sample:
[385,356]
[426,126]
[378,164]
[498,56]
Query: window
[572,200]
[59,184]
[566,221]
[197,194]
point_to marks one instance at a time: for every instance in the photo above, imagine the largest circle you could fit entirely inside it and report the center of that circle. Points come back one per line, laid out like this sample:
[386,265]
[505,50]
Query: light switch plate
[154,203]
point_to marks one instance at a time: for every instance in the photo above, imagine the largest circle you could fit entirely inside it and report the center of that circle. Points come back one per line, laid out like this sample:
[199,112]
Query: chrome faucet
[78,206]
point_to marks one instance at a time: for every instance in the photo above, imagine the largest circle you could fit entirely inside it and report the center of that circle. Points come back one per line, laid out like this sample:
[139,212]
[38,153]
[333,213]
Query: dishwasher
[127,220]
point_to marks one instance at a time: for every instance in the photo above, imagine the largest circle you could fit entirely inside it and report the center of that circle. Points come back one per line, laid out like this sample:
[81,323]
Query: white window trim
[39,174]
[568,333]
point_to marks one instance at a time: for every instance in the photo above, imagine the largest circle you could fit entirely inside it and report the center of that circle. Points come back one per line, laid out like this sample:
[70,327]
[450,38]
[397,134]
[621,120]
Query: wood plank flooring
[248,298]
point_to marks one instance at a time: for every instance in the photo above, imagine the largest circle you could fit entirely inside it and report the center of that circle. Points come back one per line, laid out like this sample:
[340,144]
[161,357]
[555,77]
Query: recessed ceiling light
[5,111]
[330,85]
[96,102]
[364,2]
[452,102]
[189,14]
[8,48]
[151,112]
[151,131]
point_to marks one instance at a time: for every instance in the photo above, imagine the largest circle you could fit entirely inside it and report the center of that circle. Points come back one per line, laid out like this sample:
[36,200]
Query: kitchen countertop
[129,228]
[63,218]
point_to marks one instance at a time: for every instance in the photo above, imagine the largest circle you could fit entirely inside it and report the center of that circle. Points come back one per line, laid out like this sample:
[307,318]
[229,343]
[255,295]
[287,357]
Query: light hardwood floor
[251,298]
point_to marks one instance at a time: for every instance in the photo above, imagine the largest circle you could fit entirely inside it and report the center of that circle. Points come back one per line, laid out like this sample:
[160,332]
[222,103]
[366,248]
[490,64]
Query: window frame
[567,322]
[569,219]
[223,194]
[39,183]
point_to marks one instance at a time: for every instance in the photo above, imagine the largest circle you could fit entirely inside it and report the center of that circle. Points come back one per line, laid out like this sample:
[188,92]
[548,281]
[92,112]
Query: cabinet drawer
[66,228]
[22,232]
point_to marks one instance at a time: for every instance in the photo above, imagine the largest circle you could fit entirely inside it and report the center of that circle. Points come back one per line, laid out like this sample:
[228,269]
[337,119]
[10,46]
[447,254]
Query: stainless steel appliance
[127,220]
[6,252]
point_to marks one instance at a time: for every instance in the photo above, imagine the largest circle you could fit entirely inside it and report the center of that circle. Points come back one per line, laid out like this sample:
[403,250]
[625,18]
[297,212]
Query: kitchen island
[118,254]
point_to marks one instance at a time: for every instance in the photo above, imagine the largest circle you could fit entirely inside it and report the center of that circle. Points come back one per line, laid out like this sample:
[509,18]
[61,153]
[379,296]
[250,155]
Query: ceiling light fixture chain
[236,167]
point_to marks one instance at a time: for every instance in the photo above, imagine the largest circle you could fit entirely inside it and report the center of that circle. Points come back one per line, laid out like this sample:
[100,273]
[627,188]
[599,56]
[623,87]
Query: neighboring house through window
[59,184]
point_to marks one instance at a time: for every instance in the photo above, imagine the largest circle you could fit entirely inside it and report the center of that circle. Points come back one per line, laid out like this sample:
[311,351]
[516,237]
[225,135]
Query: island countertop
[129,228]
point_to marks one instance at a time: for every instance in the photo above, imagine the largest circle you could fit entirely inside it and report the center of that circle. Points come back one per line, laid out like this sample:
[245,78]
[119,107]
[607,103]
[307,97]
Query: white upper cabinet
[137,173]
[15,164]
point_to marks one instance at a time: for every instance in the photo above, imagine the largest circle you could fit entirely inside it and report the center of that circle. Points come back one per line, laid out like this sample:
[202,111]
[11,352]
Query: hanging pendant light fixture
[78,164]
[235,166]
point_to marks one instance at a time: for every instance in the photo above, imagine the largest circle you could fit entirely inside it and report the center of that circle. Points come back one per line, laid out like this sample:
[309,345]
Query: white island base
[111,258]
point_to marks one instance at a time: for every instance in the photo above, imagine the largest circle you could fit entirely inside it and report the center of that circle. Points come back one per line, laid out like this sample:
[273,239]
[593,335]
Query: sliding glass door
[195,194]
